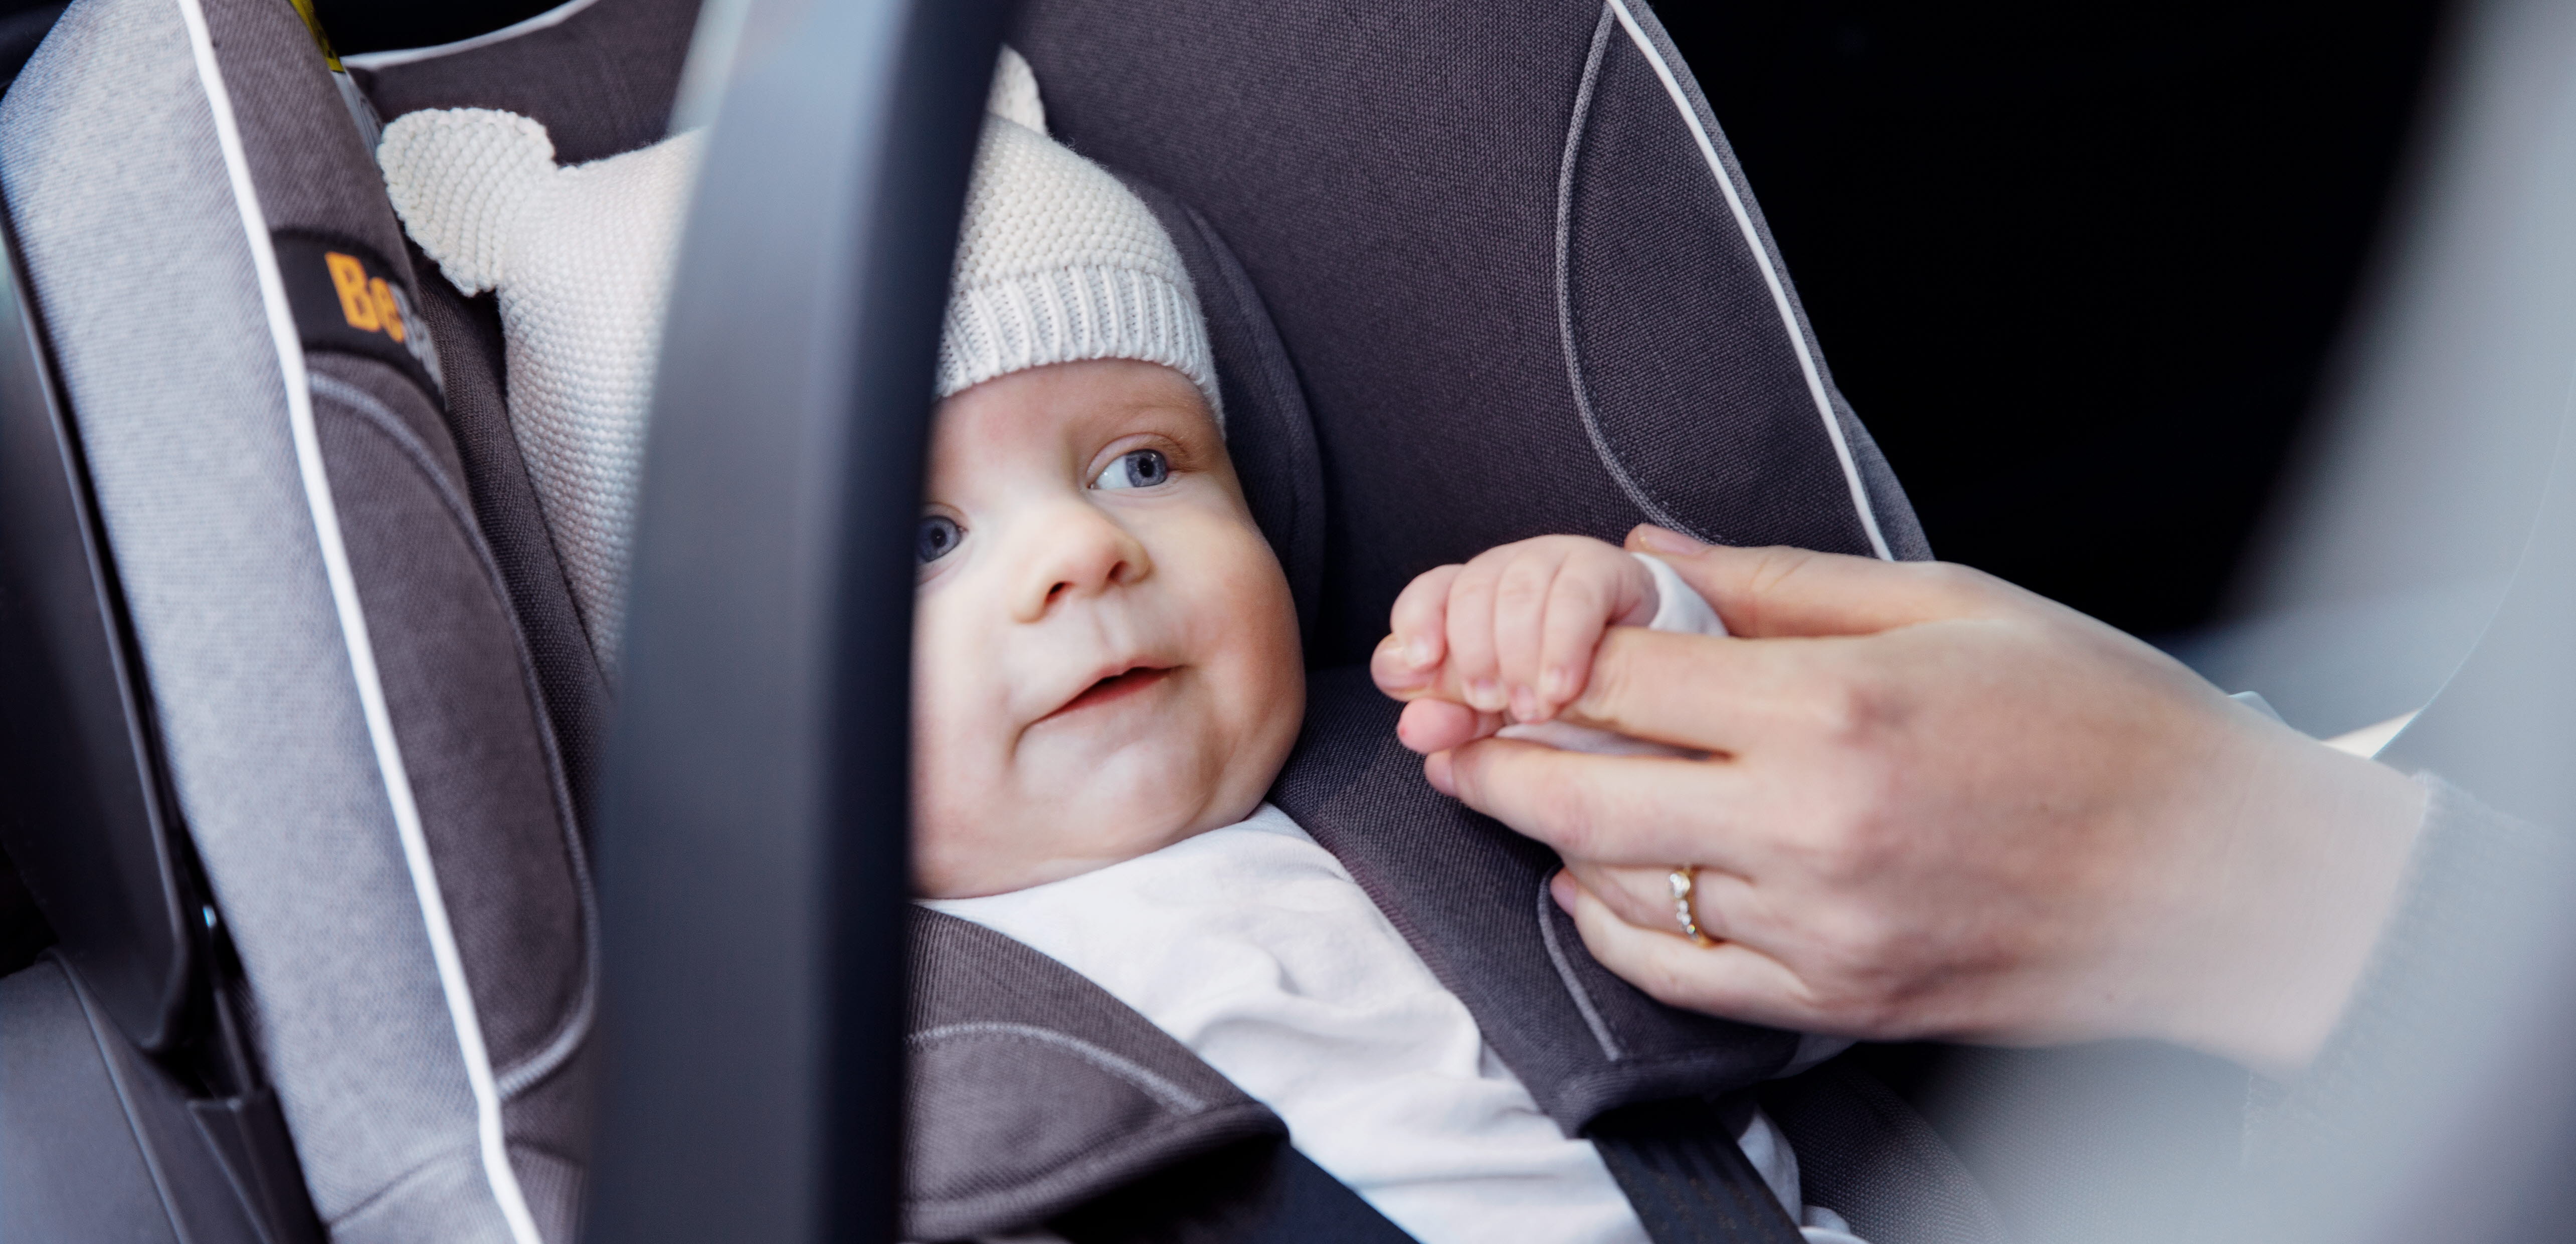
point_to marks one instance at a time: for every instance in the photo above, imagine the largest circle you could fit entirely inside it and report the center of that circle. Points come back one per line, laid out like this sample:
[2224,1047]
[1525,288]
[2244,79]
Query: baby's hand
[1511,632]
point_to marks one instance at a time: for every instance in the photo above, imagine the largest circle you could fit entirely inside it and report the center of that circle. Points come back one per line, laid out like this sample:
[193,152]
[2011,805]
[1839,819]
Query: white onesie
[1252,946]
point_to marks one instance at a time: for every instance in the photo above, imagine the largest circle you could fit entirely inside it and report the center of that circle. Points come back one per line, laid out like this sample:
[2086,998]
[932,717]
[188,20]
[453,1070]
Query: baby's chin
[1049,830]
[999,864]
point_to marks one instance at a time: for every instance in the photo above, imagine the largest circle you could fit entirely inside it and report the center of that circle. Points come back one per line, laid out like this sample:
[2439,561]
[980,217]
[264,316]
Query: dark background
[2078,266]
[379,25]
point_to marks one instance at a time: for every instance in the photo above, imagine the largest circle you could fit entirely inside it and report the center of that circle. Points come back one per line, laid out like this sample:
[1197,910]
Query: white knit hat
[1057,262]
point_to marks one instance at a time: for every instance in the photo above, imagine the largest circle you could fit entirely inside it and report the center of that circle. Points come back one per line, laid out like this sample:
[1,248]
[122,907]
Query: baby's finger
[1470,672]
[1418,627]
[1522,592]
[1429,726]
[1396,676]
[1578,611]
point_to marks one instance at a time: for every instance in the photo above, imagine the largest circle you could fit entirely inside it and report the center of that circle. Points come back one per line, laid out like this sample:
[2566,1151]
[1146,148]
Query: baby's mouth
[1113,688]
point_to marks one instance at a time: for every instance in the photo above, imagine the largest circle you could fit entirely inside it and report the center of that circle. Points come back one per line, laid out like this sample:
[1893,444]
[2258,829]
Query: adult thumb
[1781,592]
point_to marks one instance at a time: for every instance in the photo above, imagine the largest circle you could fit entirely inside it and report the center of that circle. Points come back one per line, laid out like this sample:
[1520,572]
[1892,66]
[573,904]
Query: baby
[1107,680]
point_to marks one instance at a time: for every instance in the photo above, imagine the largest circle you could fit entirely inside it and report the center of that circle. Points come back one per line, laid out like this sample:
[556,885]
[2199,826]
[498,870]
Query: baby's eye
[1142,468]
[937,538]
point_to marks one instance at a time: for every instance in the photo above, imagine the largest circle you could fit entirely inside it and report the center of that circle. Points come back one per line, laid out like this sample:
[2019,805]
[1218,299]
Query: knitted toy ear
[582,260]
[460,177]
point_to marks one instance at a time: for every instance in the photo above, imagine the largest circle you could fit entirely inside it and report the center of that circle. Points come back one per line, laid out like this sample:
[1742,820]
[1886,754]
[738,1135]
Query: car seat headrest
[581,258]
[1523,283]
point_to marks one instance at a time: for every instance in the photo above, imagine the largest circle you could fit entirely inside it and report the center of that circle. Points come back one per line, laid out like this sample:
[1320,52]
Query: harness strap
[1685,1176]
[1260,1193]
[1677,1161]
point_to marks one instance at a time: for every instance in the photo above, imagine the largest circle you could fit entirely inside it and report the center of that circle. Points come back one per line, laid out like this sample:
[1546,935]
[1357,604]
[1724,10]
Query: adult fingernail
[1659,540]
[1485,695]
[1417,652]
[1524,704]
[1559,684]
[1561,888]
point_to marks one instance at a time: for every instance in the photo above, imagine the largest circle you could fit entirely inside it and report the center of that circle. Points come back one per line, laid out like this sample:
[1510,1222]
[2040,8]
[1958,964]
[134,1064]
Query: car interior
[351,890]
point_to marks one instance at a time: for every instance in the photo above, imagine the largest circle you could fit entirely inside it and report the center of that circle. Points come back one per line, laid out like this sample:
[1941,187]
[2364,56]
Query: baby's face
[1105,657]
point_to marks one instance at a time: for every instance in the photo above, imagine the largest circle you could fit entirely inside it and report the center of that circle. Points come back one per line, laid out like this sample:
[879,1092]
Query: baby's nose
[1083,553]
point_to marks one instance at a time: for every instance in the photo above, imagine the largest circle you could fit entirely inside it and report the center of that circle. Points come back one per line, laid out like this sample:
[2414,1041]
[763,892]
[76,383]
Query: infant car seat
[312,839]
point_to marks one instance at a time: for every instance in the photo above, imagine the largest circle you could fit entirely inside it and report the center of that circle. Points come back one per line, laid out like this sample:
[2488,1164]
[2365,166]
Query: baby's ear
[459,178]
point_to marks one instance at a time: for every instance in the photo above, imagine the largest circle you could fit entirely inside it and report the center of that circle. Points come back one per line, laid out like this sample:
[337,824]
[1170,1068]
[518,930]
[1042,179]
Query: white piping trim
[1565,974]
[404,56]
[353,632]
[1144,1078]
[1770,276]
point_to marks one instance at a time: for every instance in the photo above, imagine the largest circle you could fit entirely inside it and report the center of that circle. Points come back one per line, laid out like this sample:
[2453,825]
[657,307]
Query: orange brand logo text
[366,301]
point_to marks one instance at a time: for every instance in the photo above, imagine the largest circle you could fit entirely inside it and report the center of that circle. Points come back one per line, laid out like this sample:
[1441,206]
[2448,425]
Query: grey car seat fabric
[1035,1091]
[356,736]
[1534,297]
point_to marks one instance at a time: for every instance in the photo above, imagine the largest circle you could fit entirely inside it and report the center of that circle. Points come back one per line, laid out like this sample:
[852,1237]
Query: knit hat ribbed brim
[1057,262]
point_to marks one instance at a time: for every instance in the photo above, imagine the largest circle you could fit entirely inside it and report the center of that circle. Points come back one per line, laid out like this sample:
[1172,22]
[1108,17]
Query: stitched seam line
[1686,102]
[1153,1085]
[1573,985]
[512,1080]
[1583,407]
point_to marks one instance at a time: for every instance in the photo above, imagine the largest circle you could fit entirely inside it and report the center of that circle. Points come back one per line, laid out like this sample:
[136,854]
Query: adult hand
[1935,805]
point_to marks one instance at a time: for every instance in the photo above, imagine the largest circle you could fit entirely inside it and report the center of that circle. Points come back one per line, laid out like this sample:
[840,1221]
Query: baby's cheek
[940,824]
[953,765]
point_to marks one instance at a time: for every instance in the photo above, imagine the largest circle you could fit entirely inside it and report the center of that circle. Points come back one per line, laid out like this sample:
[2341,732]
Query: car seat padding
[1649,291]
[1393,181]
[601,80]
[468,332]
[1032,1090]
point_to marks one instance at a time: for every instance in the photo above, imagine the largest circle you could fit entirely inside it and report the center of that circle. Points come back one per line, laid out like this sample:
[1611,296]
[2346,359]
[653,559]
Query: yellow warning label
[313,23]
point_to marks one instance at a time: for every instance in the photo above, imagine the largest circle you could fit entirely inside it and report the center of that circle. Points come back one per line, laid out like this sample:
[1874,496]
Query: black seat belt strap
[1684,1174]
[1263,1193]
[1677,1161]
